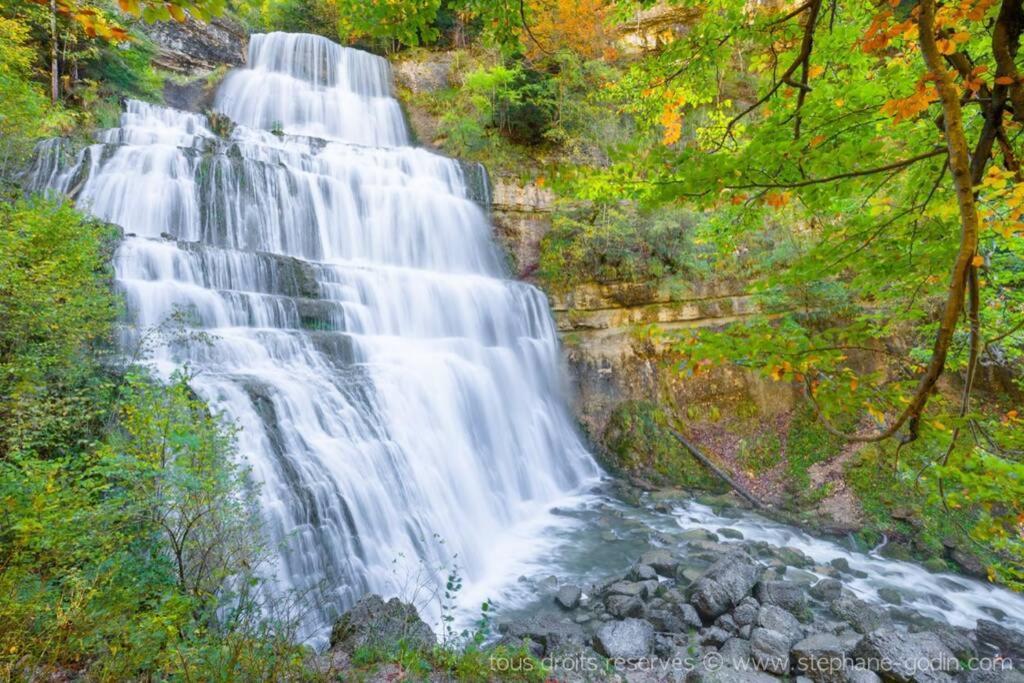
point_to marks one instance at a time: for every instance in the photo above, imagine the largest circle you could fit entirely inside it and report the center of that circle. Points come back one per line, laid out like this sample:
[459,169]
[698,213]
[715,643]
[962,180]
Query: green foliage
[128,539]
[639,442]
[27,114]
[56,313]
[389,23]
[617,243]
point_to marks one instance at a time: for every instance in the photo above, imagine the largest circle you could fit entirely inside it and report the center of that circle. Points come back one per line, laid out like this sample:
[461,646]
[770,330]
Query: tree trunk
[54,72]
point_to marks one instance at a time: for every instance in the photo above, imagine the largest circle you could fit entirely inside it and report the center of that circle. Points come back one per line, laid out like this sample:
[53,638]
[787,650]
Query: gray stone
[713,635]
[779,620]
[626,639]
[890,595]
[826,590]
[633,588]
[661,560]
[725,583]
[859,614]
[643,572]
[770,650]
[1001,640]
[698,535]
[794,557]
[726,623]
[624,606]
[841,564]
[734,534]
[374,623]
[746,612]
[906,657]
[726,674]
[744,631]
[568,596]
[735,652]
[857,674]
[549,630]
[820,657]
[789,596]
[674,618]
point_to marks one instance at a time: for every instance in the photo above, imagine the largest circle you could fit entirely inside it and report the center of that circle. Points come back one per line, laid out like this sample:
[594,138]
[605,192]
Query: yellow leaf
[176,12]
[815,71]
[978,261]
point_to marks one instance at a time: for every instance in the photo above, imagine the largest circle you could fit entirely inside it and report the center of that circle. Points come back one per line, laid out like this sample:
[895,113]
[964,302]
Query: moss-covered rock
[639,442]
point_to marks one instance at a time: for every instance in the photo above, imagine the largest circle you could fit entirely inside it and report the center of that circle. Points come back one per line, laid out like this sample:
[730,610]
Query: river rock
[703,673]
[826,590]
[624,606]
[745,613]
[713,635]
[820,657]
[859,614]
[735,652]
[661,560]
[374,623]
[770,650]
[789,596]
[550,631]
[1001,640]
[890,595]
[725,584]
[643,572]
[906,657]
[568,596]
[779,620]
[734,534]
[674,618]
[626,639]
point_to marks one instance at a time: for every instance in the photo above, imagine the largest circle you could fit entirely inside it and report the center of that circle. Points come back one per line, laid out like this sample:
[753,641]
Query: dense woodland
[855,163]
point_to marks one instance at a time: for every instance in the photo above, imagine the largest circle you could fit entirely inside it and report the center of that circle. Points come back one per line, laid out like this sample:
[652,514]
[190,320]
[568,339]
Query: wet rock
[794,557]
[698,535]
[735,534]
[906,657]
[826,590]
[996,674]
[779,620]
[626,639]
[859,614]
[800,576]
[725,583]
[643,572]
[1001,640]
[820,657]
[622,606]
[374,623]
[841,564]
[568,596]
[959,641]
[632,588]
[770,650]
[788,596]
[890,595]
[661,560]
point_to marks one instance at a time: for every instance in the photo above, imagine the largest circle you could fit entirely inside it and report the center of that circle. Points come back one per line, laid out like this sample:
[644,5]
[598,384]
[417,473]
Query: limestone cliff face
[198,53]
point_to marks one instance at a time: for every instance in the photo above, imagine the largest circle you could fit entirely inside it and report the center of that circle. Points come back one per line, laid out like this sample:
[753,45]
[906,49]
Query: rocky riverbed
[714,605]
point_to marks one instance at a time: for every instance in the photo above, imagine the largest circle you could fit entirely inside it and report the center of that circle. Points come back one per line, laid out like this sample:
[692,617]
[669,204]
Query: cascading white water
[397,396]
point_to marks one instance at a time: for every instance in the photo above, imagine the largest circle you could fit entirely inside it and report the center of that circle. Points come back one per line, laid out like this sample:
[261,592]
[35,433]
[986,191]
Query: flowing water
[400,400]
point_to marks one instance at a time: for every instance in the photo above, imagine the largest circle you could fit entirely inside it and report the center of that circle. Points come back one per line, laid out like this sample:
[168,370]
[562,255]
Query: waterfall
[400,400]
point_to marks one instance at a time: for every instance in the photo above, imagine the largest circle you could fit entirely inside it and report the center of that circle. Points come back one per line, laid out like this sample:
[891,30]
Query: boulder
[779,620]
[826,590]
[373,623]
[725,584]
[568,596]
[735,652]
[622,606]
[643,572]
[549,631]
[906,657]
[820,657]
[859,614]
[785,594]
[626,639]
[674,618]
[1001,640]
[770,650]
[713,635]
[746,612]
[703,673]
[661,561]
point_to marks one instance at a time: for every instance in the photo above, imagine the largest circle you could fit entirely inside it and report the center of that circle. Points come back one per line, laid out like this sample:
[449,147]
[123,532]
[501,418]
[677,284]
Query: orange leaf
[176,12]
[1004,80]
[978,261]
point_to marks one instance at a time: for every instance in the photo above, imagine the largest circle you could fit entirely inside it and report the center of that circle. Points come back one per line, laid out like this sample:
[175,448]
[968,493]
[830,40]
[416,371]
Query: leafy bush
[615,244]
